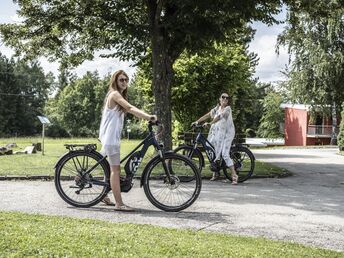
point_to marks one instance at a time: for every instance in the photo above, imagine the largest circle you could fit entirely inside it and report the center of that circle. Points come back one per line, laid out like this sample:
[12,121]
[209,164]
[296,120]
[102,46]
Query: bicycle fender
[60,159]
[100,156]
[145,170]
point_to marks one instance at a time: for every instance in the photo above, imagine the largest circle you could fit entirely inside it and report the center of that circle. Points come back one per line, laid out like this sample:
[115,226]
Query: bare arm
[117,97]
[203,118]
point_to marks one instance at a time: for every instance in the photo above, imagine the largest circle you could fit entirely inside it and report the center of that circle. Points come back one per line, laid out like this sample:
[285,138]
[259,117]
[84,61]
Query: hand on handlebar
[153,118]
[206,125]
[193,124]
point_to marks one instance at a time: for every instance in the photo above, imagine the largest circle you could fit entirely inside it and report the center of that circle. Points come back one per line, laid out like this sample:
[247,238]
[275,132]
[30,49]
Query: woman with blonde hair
[115,106]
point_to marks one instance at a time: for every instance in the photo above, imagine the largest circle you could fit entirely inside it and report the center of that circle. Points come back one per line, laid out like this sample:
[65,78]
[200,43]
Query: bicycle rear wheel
[243,160]
[77,187]
[174,194]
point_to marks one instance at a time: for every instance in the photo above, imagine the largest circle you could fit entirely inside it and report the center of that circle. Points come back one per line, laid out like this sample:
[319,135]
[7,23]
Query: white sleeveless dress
[110,130]
[221,134]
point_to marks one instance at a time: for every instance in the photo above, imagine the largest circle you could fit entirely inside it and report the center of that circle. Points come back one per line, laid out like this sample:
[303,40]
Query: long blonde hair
[114,86]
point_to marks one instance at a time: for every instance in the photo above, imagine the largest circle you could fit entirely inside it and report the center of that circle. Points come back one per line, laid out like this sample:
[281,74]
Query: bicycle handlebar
[197,126]
[156,123]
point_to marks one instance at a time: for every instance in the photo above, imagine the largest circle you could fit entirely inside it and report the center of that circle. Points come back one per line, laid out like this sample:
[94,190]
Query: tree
[341,131]
[78,107]
[24,89]
[272,117]
[314,36]
[9,93]
[201,78]
[73,30]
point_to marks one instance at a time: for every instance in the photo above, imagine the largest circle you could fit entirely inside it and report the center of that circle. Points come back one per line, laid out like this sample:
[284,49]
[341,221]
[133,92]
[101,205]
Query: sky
[264,45]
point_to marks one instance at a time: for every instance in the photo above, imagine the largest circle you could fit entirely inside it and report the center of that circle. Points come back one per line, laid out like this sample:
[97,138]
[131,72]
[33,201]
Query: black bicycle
[82,175]
[242,157]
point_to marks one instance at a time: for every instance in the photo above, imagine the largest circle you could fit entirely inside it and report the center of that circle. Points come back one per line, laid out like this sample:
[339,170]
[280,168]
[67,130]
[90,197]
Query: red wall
[295,127]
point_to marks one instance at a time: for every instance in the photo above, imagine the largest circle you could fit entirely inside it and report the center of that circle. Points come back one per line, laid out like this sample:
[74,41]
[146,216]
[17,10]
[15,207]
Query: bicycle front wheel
[243,160]
[172,193]
[77,187]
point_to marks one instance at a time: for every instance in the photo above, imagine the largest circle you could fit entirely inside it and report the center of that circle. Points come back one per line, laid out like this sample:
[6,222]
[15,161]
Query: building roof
[295,106]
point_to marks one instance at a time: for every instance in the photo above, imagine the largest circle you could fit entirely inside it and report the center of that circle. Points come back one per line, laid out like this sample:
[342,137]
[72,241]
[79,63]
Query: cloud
[264,45]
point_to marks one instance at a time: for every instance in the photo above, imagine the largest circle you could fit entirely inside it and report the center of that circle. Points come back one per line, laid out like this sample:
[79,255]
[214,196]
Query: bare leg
[115,184]
[234,175]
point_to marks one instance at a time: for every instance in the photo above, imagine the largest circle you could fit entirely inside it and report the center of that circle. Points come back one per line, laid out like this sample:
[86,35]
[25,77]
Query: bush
[341,130]
[250,133]
[56,131]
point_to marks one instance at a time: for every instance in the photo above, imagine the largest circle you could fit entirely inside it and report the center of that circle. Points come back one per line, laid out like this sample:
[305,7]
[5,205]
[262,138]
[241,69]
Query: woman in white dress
[115,106]
[221,133]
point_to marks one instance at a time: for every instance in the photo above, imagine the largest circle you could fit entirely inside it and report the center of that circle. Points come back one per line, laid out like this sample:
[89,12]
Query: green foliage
[72,31]
[24,89]
[200,79]
[341,130]
[272,117]
[314,36]
[77,108]
[30,235]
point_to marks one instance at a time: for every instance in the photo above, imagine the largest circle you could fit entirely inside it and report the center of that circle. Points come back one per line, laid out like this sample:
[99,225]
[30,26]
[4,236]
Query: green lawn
[36,164]
[52,236]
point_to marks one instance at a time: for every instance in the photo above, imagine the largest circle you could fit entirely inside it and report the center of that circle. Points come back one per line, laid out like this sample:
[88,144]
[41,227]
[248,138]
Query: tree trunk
[162,79]
[334,125]
[162,71]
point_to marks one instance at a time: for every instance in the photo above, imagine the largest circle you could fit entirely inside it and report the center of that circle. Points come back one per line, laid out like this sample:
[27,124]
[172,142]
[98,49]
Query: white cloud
[16,19]
[264,45]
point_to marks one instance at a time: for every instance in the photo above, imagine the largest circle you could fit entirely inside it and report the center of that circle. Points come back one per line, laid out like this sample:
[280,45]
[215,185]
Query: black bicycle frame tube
[205,143]
[147,142]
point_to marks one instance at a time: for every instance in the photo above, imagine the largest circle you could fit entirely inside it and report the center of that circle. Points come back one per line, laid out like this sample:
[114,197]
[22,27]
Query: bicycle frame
[146,143]
[208,147]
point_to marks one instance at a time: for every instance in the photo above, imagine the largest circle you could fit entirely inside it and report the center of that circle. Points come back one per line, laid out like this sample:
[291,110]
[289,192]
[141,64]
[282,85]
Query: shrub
[341,130]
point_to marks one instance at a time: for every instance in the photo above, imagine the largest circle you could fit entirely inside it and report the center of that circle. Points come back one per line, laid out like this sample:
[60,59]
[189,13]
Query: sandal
[124,207]
[235,180]
[214,178]
[106,200]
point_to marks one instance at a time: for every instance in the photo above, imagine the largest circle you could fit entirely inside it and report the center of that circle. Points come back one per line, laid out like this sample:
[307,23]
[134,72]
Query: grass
[36,164]
[52,236]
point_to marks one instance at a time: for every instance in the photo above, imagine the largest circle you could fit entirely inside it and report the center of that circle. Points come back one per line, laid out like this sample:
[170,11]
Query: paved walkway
[305,208]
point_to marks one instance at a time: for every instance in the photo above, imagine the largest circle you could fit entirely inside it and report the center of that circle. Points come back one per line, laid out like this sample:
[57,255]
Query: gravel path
[305,208]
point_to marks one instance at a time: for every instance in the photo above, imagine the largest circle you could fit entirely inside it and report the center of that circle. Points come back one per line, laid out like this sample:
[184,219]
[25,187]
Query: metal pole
[43,140]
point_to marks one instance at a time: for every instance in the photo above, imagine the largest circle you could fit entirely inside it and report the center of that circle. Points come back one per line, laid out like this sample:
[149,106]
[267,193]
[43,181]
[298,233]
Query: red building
[302,129]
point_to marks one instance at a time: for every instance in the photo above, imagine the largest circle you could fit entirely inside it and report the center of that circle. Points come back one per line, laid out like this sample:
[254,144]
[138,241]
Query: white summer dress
[110,131]
[221,133]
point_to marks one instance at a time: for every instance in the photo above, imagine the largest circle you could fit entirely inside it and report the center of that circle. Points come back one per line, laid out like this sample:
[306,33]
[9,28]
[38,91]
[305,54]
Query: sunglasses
[225,97]
[124,80]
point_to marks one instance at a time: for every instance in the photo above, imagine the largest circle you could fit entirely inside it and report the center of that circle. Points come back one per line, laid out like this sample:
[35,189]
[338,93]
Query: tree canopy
[24,89]
[72,31]
[314,36]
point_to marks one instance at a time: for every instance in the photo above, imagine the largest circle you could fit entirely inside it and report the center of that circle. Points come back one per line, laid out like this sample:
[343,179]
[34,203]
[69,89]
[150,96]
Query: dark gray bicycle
[242,157]
[82,175]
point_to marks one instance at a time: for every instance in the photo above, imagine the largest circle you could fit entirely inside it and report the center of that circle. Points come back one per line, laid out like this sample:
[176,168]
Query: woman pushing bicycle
[115,106]
[221,133]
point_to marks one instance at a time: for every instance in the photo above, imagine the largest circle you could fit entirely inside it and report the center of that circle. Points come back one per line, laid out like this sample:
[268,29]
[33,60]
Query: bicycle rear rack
[85,147]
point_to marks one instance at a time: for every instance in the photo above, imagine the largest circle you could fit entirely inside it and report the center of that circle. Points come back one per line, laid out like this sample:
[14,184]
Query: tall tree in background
[24,89]
[314,36]
[73,30]
[78,107]
[273,116]
[9,94]
[200,79]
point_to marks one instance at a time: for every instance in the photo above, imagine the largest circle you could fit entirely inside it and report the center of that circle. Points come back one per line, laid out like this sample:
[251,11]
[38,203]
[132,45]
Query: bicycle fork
[167,171]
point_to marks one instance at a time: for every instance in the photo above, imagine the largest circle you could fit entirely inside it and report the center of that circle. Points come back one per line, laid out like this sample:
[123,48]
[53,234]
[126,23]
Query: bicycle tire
[195,157]
[78,191]
[156,183]
[244,162]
